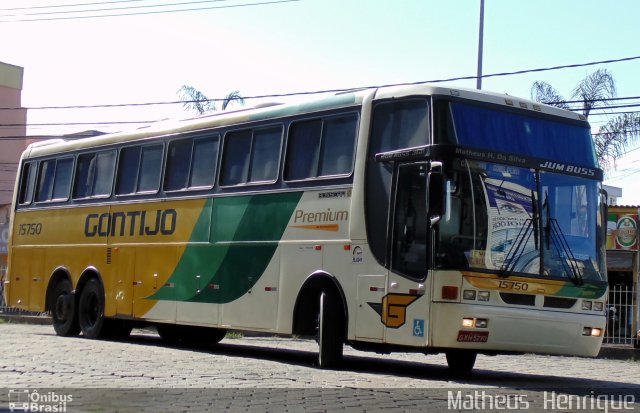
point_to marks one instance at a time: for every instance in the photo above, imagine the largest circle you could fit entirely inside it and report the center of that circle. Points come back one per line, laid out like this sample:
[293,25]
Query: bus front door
[405,309]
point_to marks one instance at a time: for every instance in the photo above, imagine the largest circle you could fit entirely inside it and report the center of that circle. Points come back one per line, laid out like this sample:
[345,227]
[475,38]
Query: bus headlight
[483,295]
[469,294]
[598,305]
[587,305]
[590,331]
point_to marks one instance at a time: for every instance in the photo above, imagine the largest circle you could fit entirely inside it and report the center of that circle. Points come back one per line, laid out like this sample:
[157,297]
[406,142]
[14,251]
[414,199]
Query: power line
[614,113]
[592,100]
[318,92]
[147,6]
[150,12]
[633,105]
[14,125]
[610,133]
[70,5]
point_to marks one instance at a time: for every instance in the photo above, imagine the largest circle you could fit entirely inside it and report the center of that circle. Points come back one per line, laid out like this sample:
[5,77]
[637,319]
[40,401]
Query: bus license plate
[473,336]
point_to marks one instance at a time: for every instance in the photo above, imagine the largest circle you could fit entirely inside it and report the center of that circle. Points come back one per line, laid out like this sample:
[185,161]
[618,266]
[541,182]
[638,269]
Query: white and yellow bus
[416,218]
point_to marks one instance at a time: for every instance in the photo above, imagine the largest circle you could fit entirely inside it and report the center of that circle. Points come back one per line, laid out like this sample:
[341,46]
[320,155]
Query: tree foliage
[197,101]
[596,91]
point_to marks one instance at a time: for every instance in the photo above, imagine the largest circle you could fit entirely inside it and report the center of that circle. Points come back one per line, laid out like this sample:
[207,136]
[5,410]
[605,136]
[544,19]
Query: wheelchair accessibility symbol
[418,328]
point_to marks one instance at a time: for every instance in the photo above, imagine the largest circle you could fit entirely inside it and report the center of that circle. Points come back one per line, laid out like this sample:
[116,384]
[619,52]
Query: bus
[410,218]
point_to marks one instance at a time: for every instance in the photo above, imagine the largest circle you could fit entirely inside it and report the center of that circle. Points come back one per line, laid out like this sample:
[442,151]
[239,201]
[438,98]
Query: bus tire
[63,310]
[461,361]
[330,331]
[91,309]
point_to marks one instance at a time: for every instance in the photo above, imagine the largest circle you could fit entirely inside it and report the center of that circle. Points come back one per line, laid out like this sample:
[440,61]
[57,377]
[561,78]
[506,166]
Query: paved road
[276,374]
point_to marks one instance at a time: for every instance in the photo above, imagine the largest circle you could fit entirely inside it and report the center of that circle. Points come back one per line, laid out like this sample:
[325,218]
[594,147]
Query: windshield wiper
[555,236]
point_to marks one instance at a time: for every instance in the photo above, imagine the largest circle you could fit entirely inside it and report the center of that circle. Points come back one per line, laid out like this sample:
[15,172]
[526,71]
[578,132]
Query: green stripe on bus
[582,291]
[233,263]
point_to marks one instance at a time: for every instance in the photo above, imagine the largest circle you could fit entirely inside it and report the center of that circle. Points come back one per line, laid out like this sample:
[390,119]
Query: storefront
[623,254]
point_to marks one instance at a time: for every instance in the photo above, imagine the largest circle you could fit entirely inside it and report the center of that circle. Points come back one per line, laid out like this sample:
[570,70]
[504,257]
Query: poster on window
[510,212]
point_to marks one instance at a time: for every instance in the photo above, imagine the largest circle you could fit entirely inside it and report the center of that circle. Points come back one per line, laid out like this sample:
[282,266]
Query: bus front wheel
[330,331]
[461,361]
[63,310]
[91,309]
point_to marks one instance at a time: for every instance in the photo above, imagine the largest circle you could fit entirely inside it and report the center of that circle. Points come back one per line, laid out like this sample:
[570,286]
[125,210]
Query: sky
[263,47]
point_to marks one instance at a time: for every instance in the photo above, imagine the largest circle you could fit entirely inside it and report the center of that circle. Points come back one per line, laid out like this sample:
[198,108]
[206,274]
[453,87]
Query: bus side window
[27,183]
[302,150]
[45,180]
[265,154]
[139,169]
[150,169]
[321,147]
[84,176]
[94,174]
[338,145]
[178,164]
[235,158]
[54,180]
[204,161]
[104,168]
[62,179]
[128,170]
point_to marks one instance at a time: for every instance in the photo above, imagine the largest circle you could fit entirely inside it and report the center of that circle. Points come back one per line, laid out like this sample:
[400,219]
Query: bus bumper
[516,330]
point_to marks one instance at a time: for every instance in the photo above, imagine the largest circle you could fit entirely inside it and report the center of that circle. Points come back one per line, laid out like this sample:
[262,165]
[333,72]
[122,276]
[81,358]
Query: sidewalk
[619,352]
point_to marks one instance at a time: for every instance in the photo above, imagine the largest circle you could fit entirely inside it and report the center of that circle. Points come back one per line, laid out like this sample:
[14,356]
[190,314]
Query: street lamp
[480,36]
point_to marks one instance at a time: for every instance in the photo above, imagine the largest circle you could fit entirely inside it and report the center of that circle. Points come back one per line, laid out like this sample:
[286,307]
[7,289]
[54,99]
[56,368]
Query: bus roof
[275,111]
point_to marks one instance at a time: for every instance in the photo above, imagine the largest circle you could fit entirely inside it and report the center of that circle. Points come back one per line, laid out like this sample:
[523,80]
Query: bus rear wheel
[461,361]
[330,331]
[63,310]
[91,309]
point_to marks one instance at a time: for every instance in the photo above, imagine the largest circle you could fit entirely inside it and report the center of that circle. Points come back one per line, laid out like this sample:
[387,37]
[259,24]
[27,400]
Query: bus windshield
[515,220]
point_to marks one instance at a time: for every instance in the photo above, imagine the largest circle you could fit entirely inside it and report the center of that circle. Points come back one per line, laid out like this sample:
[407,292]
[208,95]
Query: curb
[26,319]
[619,353]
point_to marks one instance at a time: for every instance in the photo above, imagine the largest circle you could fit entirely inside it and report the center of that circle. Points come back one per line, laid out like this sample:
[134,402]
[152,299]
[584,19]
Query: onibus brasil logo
[34,401]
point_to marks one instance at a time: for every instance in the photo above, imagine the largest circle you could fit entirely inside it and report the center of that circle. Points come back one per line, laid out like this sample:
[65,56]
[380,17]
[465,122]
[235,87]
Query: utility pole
[480,36]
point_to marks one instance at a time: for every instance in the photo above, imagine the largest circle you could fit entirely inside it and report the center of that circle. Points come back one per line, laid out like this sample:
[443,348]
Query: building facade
[13,121]
[623,265]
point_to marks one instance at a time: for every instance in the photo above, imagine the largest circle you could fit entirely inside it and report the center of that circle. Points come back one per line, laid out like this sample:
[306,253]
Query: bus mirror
[604,212]
[435,192]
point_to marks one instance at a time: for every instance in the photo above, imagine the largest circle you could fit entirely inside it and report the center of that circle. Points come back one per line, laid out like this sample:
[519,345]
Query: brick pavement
[277,374]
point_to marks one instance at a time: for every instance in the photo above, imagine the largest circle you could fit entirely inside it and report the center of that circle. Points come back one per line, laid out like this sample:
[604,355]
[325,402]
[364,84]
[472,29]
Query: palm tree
[595,91]
[196,100]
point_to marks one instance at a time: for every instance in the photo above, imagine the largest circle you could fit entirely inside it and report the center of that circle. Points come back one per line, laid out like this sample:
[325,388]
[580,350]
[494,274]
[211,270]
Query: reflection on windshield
[516,220]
